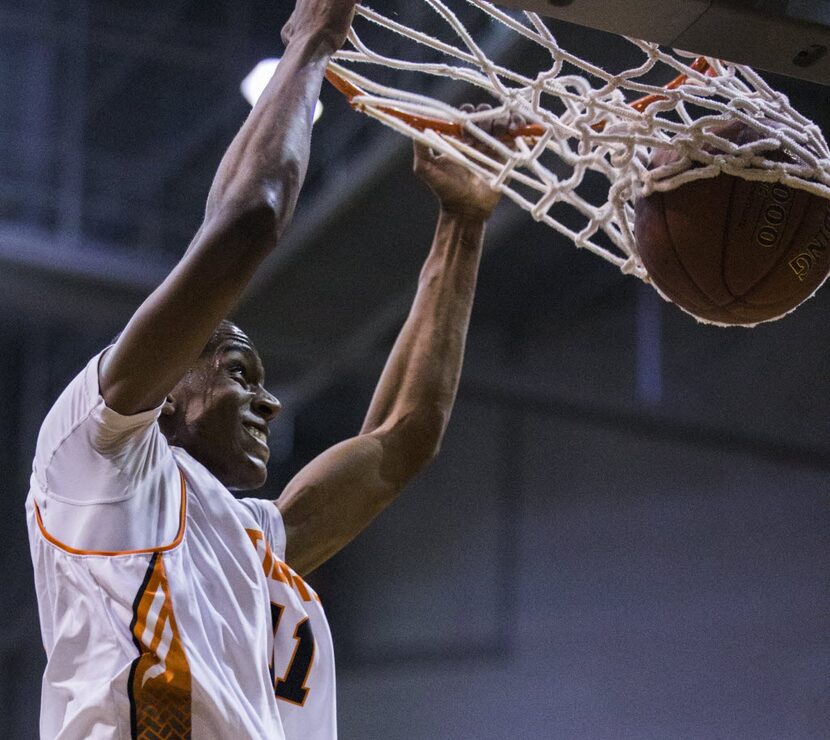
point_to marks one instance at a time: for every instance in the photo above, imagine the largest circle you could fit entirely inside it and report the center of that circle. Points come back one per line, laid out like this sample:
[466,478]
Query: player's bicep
[334,498]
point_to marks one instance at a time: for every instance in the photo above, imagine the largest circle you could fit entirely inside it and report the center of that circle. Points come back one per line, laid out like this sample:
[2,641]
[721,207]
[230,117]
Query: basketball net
[582,120]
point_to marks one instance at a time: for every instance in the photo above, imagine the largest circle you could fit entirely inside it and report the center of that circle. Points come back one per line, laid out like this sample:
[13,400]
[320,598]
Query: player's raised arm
[250,203]
[336,495]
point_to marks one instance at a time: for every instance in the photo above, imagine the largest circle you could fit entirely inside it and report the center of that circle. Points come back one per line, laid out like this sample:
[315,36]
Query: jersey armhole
[164,548]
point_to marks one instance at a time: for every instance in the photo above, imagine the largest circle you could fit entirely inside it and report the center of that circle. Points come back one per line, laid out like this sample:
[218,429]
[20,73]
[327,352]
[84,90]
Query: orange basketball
[732,251]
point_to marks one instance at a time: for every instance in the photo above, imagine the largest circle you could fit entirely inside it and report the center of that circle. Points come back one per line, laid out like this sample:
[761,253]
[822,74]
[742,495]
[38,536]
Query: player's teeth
[256,433]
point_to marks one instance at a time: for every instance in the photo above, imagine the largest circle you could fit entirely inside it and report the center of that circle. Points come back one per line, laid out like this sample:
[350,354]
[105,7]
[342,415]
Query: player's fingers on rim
[486,124]
[466,109]
[517,122]
[498,125]
[501,125]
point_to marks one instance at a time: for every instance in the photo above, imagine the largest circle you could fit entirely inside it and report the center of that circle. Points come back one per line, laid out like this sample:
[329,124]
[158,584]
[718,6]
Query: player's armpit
[334,498]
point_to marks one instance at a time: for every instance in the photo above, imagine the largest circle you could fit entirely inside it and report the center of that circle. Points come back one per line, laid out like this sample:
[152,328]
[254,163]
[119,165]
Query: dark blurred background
[626,533]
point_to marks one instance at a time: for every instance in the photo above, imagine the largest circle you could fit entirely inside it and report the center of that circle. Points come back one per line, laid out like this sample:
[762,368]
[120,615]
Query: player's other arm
[249,205]
[334,497]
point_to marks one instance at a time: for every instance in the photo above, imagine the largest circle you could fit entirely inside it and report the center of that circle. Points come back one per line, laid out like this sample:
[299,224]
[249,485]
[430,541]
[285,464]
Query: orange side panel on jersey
[298,583]
[74,551]
[277,569]
[160,681]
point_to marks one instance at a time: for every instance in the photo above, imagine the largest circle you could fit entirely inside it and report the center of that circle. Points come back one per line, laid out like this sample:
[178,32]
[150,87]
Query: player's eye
[237,370]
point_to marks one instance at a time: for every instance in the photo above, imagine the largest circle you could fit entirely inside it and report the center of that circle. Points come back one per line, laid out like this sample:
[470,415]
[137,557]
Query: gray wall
[581,563]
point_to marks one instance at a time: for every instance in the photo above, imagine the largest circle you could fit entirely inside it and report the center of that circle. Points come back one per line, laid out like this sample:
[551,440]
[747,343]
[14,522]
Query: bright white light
[254,84]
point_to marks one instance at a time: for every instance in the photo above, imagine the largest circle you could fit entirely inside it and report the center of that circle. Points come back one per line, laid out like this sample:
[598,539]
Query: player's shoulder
[72,406]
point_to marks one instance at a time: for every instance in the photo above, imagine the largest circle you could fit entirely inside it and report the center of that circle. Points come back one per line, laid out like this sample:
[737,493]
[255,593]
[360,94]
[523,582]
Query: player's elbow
[414,441]
[431,430]
[280,192]
[424,431]
[258,211]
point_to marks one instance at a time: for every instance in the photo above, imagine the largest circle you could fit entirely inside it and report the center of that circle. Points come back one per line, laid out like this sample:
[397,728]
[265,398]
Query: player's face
[223,411]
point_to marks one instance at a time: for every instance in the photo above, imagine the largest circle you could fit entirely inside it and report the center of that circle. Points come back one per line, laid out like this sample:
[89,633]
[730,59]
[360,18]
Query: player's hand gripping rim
[461,191]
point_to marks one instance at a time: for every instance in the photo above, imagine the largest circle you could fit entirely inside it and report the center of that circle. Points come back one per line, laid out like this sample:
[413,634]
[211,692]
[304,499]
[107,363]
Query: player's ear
[169,407]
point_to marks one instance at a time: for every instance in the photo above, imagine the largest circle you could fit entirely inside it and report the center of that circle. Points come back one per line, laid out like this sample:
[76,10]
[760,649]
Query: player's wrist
[318,43]
[465,213]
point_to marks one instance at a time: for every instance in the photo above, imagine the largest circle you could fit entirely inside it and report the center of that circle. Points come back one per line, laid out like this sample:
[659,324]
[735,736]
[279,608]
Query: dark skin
[215,403]
[220,412]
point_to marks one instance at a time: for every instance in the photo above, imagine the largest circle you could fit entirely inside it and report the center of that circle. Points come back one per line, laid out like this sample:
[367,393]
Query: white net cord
[586,124]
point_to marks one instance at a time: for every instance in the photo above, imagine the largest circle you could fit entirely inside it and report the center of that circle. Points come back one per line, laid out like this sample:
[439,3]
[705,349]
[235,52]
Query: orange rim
[422,123]
[530,131]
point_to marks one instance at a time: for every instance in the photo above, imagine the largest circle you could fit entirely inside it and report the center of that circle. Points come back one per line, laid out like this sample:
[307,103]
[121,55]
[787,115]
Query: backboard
[790,37]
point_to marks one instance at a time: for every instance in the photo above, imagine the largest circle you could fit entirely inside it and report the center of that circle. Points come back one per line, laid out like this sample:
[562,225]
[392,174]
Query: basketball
[733,251]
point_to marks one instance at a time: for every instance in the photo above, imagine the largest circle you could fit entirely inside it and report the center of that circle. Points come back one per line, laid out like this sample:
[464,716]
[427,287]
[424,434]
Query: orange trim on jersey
[277,569]
[164,548]
[289,576]
[160,681]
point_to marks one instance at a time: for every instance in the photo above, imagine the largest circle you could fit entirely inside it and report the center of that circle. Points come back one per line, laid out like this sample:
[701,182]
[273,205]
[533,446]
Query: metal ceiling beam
[48,277]
[36,255]
[104,207]
[85,262]
[308,227]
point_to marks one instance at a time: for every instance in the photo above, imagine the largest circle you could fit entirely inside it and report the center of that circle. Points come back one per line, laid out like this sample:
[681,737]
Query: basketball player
[168,607]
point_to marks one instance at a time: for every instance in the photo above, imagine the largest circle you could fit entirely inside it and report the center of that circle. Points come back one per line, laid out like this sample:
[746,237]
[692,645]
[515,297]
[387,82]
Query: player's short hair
[220,334]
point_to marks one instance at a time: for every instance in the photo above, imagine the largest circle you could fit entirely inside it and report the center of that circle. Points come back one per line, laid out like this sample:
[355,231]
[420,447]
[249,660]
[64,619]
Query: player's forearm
[266,163]
[420,380]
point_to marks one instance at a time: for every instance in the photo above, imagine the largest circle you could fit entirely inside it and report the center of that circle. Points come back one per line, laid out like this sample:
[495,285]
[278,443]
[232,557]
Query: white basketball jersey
[165,607]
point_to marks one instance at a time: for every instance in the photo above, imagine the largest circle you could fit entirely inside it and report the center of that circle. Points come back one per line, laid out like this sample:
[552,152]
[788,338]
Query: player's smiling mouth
[258,434]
